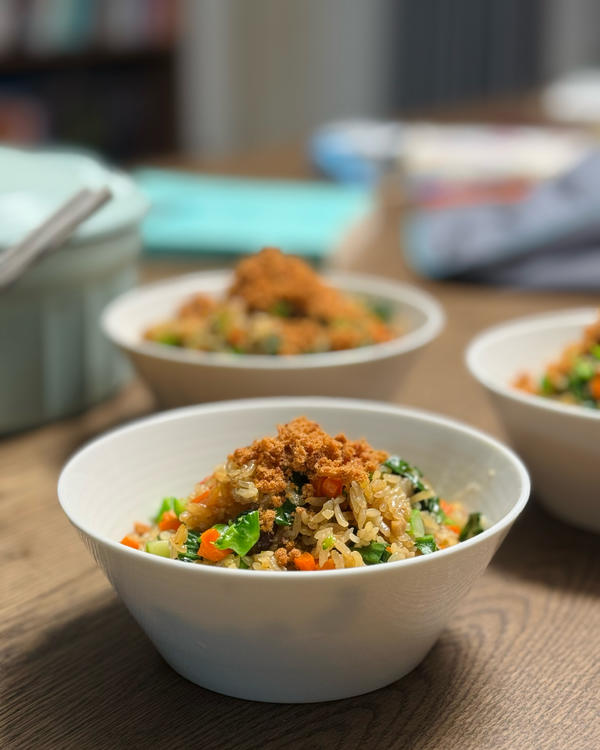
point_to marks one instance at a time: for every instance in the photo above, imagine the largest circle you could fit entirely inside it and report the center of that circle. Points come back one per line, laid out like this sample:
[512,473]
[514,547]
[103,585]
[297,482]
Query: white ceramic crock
[54,360]
[559,443]
[287,636]
[179,376]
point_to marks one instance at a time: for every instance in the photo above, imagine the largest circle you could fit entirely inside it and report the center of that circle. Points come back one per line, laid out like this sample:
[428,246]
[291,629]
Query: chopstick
[51,233]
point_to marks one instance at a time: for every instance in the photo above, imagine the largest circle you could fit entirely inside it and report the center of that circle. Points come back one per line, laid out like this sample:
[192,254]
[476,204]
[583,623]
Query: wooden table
[517,668]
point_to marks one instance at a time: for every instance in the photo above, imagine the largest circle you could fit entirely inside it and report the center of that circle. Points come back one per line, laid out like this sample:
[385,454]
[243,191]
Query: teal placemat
[215,215]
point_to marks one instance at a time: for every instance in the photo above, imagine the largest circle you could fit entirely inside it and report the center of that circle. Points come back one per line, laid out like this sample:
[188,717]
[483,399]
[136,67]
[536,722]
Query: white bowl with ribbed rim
[559,443]
[181,376]
[287,636]
[55,360]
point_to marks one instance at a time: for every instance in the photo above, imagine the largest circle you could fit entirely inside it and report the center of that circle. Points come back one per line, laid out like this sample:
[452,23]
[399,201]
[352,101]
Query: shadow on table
[98,682]
[542,549]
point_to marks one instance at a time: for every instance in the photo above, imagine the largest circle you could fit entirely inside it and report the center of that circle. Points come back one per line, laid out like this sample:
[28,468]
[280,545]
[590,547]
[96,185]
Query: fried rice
[277,305]
[574,378]
[306,500]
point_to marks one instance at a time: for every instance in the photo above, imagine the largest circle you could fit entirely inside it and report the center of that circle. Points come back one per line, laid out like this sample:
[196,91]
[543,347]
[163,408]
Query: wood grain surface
[517,668]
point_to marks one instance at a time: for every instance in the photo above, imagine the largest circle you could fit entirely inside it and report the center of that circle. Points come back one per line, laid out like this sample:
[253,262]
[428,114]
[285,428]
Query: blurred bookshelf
[97,74]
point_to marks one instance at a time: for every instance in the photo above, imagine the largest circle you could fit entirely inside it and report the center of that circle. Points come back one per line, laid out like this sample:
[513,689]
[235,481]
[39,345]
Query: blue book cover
[202,214]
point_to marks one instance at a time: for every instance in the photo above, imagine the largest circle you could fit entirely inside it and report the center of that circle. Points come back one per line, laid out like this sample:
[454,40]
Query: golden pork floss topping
[276,304]
[264,469]
[271,278]
[304,448]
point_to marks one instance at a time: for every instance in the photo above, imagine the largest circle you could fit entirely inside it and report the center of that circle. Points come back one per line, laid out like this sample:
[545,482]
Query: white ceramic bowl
[55,360]
[277,636]
[179,376]
[559,443]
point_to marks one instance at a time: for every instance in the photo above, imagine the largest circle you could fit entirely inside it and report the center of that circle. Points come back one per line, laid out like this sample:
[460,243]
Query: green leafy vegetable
[282,308]
[221,322]
[168,338]
[166,504]
[546,386]
[595,351]
[415,526]
[399,466]
[271,344]
[583,369]
[425,544]
[243,564]
[472,527]
[170,503]
[382,309]
[284,515]
[577,388]
[191,545]
[432,505]
[374,553]
[328,543]
[241,534]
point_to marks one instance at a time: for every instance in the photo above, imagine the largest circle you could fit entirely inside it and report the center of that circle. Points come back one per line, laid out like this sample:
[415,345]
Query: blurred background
[480,118]
[137,78]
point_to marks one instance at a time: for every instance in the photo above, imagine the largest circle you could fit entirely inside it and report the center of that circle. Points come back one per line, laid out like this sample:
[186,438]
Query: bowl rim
[411,295]
[529,323]
[77,168]
[300,403]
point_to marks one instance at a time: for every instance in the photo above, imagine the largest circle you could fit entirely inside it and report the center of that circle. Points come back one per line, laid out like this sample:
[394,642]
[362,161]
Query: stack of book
[68,69]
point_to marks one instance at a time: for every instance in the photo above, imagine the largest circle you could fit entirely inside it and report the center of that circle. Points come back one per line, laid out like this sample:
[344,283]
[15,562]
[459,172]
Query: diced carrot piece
[328,487]
[168,521]
[141,528]
[524,382]
[380,333]
[207,547]
[595,387]
[129,541]
[327,565]
[305,561]
[236,336]
[332,487]
[449,509]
